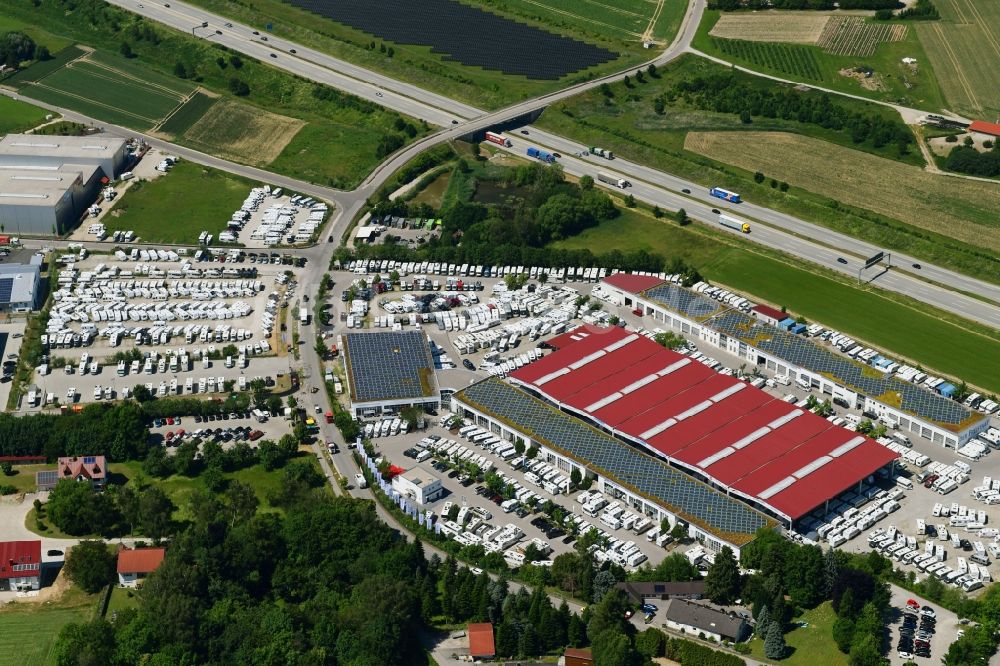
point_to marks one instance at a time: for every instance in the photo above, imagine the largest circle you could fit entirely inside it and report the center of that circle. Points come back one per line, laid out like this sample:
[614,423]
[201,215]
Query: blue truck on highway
[542,155]
[725,194]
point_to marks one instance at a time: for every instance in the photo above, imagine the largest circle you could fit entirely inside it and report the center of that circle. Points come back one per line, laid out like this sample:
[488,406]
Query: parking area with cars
[225,429]
[920,630]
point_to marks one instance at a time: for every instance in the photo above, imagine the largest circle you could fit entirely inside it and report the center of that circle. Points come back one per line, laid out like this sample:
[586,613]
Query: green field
[111,92]
[344,132]
[177,206]
[628,124]
[902,326]
[964,48]
[179,488]
[31,28]
[29,631]
[613,24]
[17,116]
[23,477]
[182,119]
[895,82]
[808,645]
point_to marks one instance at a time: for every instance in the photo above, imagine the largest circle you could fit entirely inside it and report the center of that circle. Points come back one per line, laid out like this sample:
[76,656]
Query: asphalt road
[780,231]
[649,185]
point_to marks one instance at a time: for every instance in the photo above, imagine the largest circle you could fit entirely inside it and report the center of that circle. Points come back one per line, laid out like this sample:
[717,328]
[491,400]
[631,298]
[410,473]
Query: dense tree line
[726,93]
[965,159]
[117,431]
[546,209]
[922,10]
[326,583]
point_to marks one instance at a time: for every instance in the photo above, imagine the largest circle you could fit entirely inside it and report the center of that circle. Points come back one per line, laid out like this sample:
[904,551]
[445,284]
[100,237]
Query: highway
[437,109]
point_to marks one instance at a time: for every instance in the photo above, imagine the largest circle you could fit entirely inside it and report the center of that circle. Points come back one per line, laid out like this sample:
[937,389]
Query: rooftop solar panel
[652,478]
[801,352]
[6,289]
[388,366]
[683,301]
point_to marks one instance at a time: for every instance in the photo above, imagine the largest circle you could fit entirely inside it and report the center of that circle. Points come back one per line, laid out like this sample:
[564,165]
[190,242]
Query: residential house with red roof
[135,564]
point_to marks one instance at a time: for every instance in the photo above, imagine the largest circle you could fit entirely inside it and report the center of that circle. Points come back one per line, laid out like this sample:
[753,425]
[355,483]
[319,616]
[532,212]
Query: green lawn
[30,630]
[811,645]
[17,116]
[628,124]
[187,115]
[121,599]
[338,145]
[179,205]
[923,91]
[897,324]
[23,477]
[31,28]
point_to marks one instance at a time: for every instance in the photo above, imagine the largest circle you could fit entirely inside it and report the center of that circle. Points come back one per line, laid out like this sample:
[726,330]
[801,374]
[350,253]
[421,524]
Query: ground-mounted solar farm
[481,52]
[468,35]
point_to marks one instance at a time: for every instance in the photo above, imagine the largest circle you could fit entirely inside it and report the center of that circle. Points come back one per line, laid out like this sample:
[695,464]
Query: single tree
[723,582]
[774,642]
[90,565]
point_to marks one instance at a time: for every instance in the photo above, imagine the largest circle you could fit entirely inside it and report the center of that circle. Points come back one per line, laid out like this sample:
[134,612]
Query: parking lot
[226,429]
[937,626]
[180,324]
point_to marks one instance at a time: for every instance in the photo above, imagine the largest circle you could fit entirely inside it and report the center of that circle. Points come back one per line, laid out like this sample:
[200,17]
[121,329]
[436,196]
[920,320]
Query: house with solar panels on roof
[388,371]
[673,439]
[764,342]
[84,469]
[20,565]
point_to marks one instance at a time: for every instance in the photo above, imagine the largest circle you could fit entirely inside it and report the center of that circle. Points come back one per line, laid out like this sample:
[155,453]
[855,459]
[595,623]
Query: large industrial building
[46,183]
[388,371]
[848,382]
[673,437]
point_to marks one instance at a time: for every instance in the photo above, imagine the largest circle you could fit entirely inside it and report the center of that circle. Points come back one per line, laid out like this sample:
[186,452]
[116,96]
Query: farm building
[848,382]
[47,183]
[20,565]
[19,284]
[987,131]
[388,371]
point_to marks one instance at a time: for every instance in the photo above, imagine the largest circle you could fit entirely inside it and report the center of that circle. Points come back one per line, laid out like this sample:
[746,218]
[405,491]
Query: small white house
[419,485]
[135,564]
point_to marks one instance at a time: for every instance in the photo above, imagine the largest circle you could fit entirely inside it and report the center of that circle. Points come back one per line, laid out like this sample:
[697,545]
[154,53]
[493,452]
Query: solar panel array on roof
[89,460]
[683,301]
[466,34]
[6,289]
[654,479]
[389,365]
[47,478]
[715,426]
[799,351]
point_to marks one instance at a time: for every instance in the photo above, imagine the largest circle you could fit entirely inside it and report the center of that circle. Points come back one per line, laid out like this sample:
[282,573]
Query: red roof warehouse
[719,428]
[992,129]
